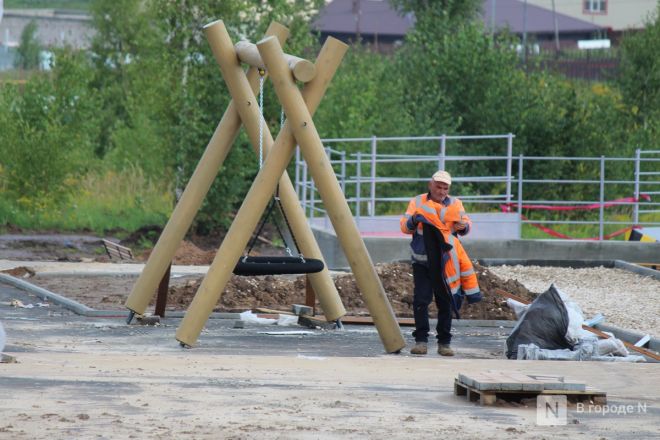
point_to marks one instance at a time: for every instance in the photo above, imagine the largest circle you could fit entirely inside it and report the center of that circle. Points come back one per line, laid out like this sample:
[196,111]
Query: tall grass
[100,201]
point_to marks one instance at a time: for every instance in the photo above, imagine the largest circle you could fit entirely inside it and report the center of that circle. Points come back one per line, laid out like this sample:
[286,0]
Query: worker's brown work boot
[419,348]
[445,350]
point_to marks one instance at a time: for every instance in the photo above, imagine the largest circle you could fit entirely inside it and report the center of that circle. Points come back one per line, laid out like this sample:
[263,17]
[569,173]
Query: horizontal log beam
[303,70]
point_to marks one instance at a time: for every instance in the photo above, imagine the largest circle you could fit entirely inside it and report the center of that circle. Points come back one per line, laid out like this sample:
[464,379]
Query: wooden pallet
[487,388]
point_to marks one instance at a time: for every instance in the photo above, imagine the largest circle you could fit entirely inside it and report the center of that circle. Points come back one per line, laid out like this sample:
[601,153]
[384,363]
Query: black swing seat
[277,266]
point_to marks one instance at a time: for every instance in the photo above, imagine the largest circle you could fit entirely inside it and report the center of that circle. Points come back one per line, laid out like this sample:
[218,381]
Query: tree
[27,54]
[639,76]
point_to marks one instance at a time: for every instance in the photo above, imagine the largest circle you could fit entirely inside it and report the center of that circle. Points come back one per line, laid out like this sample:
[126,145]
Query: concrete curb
[618,264]
[639,270]
[629,336]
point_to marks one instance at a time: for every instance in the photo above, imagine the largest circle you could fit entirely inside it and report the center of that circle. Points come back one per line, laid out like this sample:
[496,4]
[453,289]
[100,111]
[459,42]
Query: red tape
[509,207]
[557,234]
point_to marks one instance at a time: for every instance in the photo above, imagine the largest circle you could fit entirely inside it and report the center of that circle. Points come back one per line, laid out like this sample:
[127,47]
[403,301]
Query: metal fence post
[343,172]
[358,181]
[374,150]
[303,197]
[520,192]
[509,164]
[298,171]
[602,198]
[638,155]
[443,151]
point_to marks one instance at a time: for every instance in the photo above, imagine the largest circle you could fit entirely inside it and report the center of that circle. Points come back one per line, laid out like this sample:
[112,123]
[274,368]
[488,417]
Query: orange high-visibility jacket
[459,271]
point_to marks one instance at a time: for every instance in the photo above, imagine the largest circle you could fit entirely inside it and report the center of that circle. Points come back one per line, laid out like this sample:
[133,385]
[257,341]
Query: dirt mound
[187,254]
[280,292]
[19,272]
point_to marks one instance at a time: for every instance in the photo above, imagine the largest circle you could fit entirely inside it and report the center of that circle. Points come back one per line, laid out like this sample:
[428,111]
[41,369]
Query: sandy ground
[87,378]
[116,395]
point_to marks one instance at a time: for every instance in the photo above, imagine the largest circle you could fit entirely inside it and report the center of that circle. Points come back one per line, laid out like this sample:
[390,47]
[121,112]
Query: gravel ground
[626,300]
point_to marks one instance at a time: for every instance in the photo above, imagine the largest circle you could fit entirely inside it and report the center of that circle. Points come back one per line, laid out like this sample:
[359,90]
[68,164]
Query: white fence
[378,181]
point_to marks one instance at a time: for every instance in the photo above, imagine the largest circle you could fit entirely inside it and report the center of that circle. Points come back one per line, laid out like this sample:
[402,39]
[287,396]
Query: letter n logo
[551,410]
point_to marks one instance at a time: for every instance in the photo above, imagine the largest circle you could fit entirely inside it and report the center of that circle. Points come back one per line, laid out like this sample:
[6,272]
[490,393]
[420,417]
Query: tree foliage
[639,77]
[148,96]
[29,49]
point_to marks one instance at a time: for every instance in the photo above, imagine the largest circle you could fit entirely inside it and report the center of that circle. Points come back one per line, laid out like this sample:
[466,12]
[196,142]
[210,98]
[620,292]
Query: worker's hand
[460,226]
[414,221]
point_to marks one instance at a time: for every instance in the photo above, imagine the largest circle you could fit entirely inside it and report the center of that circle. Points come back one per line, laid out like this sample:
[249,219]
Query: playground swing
[274,265]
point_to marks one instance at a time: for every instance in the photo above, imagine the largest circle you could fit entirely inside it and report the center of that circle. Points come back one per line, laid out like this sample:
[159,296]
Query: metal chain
[288,225]
[261,120]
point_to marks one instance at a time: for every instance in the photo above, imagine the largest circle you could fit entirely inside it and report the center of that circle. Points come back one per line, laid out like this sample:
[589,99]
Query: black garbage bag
[545,324]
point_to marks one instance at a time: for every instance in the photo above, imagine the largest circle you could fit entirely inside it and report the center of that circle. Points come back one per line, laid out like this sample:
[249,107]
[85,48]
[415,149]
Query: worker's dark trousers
[422,295]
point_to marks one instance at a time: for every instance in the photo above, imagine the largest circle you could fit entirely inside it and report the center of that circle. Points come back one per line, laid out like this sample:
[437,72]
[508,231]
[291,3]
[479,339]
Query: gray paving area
[97,377]
[63,327]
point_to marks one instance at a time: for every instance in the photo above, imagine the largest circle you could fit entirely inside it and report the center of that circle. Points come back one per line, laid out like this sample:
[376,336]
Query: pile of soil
[280,293]
[274,292]
[20,272]
[188,254]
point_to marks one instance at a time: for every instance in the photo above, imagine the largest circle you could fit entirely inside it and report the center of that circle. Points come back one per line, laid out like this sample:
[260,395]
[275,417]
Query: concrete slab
[486,225]
[389,249]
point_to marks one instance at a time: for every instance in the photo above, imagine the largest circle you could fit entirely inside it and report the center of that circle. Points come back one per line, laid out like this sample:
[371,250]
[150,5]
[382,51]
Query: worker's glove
[474,298]
[414,221]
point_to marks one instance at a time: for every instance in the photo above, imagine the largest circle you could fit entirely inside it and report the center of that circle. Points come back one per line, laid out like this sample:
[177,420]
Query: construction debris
[552,328]
[6,359]
[316,323]
[20,304]
[148,320]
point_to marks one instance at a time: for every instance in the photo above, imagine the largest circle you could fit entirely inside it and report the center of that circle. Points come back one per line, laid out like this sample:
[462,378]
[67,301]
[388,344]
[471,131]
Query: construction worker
[441,267]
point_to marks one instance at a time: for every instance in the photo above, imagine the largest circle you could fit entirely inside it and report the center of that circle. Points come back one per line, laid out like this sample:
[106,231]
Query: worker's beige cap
[442,176]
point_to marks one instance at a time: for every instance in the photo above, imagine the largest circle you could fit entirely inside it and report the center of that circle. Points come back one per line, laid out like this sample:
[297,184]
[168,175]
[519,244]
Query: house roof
[509,13]
[378,18]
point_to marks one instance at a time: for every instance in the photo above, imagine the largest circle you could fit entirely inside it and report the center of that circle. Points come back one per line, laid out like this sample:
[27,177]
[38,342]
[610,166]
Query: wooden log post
[210,291]
[300,122]
[192,197]
[250,114]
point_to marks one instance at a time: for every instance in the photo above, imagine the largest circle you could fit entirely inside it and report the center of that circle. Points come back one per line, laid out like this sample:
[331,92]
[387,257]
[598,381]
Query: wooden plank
[310,295]
[654,266]
[118,251]
[267,311]
[163,288]
[368,320]
[595,331]
[459,389]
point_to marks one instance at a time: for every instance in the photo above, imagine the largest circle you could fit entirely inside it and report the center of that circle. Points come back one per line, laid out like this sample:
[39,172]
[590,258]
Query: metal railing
[383,182]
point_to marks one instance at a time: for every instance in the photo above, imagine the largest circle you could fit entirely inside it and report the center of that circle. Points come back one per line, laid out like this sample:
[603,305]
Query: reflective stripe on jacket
[459,271]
